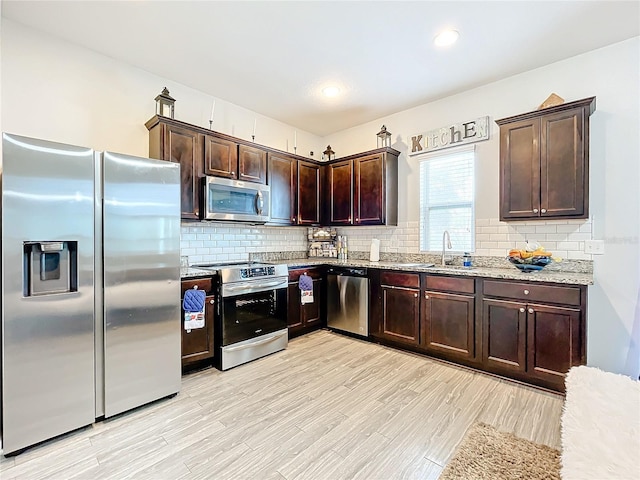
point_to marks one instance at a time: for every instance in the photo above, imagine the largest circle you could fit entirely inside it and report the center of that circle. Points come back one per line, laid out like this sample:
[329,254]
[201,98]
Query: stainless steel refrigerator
[90,286]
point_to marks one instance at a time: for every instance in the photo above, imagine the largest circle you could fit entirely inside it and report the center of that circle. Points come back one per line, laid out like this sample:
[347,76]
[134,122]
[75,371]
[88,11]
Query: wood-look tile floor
[328,407]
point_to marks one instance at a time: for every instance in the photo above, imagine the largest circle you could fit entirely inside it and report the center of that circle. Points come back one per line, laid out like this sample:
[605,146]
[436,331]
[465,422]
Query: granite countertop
[191,272]
[570,278]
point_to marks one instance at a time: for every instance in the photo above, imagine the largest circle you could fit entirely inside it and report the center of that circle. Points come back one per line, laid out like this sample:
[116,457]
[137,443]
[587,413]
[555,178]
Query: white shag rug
[600,426]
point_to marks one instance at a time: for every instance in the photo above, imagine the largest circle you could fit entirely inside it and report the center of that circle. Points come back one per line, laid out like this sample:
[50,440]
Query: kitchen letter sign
[450,136]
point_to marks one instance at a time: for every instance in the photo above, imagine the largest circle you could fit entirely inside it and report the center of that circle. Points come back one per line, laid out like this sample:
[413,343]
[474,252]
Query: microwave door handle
[259,202]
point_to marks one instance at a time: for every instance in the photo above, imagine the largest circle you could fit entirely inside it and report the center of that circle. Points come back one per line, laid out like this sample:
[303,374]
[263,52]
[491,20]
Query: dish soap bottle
[466,260]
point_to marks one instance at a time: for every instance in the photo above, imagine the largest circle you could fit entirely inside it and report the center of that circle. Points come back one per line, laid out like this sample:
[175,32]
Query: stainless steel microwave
[235,200]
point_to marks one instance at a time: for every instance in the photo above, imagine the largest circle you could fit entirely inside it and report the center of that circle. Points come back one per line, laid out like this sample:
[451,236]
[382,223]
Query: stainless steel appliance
[90,286]
[235,200]
[348,300]
[251,316]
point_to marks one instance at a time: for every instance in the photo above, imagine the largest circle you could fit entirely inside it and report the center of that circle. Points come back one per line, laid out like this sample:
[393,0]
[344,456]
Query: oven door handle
[255,344]
[250,287]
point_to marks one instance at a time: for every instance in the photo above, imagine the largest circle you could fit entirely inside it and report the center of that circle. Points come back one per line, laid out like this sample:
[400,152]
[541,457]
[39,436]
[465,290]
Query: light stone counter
[191,272]
[570,278]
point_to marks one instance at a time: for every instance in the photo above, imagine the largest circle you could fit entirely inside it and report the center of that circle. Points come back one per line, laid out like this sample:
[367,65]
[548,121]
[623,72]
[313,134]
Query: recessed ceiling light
[446,38]
[330,91]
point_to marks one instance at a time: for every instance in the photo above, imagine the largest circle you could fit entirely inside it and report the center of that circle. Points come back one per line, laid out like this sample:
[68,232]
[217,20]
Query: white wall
[612,74]
[58,91]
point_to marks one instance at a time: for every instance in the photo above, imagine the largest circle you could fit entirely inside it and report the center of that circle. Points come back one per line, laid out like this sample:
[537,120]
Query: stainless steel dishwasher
[348,300]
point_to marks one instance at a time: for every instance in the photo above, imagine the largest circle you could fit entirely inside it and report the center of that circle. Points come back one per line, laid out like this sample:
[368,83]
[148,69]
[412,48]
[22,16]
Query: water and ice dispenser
[50,267]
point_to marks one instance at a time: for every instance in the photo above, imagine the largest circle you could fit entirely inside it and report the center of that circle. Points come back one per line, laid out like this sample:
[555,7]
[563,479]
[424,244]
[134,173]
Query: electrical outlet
[594,247]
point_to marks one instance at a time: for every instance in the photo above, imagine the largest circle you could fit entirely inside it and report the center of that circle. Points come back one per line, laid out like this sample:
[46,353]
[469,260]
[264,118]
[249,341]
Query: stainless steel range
[251,314]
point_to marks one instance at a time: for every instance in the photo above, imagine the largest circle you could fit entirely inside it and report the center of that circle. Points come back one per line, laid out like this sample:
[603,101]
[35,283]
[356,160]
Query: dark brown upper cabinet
[363,189]
[340,178]
[295,190]
[226,158]
[252,164]
[282,179]
[308,193]
[544,162]
[177,144]
[220,157]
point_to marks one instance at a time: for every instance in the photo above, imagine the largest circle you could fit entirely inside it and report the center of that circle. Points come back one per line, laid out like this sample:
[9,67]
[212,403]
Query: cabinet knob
[293,219]
[535,210]
[233,173]
[521,309]
[415,295]
[357,219]
[211,302]
[531,310]
[426,296]
[544,210]
[526,292]
[195,287]
[349,219]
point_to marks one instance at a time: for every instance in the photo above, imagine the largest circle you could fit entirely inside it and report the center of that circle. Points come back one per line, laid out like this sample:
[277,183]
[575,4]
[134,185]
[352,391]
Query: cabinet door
[312,312]
[220,157]
[308,193]
[252,164]
[282,181]
[183,146]
[504,336]
[553,339]
[400,314]
[563,166]
[294,311]
[197,344]
[340,178]
[520,169]
[449,324]
[369,190]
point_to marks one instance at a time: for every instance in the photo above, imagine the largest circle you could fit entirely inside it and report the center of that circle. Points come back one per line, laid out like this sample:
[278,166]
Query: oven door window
[253,314]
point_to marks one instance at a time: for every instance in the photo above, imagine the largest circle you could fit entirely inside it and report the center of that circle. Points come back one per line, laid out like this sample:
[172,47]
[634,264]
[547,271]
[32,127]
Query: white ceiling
[274,57]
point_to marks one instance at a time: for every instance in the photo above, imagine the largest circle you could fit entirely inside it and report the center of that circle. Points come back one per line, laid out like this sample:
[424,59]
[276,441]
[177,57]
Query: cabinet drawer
[202,284]
[400,279]
[451,284]
[315,273]
[532,292]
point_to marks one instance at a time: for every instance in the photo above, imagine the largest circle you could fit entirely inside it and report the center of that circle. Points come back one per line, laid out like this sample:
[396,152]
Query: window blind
[447,199]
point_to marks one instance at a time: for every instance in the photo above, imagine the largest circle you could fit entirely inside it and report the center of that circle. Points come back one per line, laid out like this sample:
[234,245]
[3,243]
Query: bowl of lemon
[530,260]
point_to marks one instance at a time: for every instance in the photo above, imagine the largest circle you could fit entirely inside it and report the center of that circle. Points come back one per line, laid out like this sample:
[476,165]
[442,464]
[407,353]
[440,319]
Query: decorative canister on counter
[466,260]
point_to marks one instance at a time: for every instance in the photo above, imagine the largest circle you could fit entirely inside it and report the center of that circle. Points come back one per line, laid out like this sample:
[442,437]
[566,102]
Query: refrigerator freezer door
[141,245]
[47,338]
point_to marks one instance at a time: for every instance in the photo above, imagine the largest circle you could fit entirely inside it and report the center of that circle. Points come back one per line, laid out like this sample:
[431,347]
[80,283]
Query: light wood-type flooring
[328,407]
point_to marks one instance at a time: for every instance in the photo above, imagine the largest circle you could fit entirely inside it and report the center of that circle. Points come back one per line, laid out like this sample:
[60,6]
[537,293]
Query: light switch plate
[594,247]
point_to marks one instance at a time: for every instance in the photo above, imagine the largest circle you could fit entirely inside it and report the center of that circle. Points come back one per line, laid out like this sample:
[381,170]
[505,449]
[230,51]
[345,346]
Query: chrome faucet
[446,259]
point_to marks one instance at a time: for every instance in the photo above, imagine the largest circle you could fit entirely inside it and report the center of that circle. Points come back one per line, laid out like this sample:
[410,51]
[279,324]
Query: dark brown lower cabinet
[531,341]
[449,324]
[504,337]
[197,343]
[310,316]
[398,309]
[527,331]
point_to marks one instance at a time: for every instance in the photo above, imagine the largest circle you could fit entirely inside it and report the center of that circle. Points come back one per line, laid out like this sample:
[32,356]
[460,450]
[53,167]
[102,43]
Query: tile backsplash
[564,238]
[206,242]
